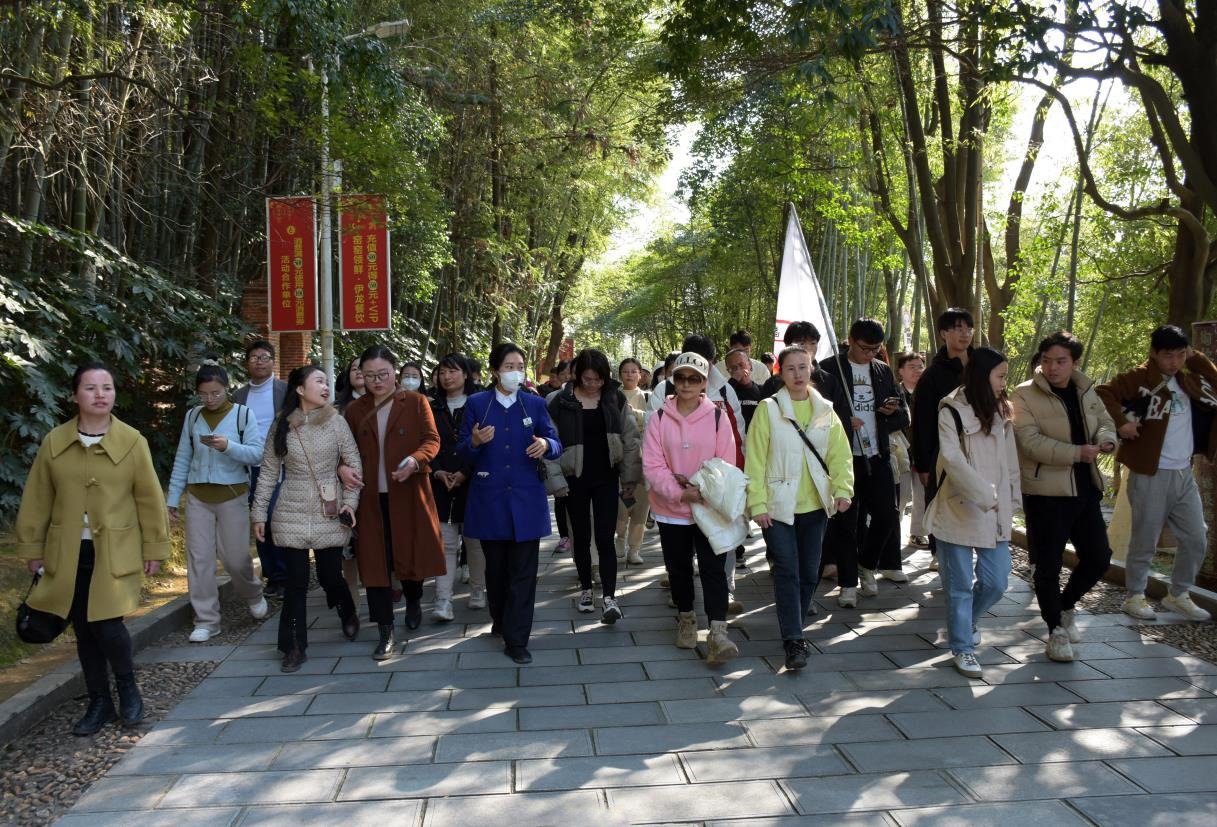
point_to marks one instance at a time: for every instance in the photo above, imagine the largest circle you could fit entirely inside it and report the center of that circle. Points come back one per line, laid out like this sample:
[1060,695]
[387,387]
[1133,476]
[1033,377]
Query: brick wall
[292,349]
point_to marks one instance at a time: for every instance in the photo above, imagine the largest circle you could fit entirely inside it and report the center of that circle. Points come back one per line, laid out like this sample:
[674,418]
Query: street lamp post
[383,31]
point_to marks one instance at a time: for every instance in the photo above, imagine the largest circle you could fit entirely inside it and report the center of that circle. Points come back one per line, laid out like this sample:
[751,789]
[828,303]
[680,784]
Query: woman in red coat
[398,526]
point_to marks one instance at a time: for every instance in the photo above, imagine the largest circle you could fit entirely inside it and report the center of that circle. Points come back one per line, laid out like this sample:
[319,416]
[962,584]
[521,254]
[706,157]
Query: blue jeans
[968,601]
[274,562]
[796,567]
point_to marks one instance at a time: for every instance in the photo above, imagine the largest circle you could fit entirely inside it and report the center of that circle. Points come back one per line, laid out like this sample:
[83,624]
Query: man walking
[877,410]
[263,395]
[1164,413]
[945,373]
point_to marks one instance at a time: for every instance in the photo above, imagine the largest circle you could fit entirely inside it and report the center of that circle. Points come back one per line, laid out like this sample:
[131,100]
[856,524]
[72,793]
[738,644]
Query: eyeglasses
[207,397]
[591,380]
[261,357]
[868,348]
[688,379]
[379,376]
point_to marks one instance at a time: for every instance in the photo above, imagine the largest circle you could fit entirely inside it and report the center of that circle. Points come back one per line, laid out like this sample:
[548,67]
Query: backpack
[198,411]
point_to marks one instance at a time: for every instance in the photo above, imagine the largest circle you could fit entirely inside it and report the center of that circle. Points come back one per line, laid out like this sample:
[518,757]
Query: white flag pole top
[800,298]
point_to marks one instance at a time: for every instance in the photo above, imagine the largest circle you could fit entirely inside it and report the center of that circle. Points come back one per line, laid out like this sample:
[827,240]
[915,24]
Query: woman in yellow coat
[93,518]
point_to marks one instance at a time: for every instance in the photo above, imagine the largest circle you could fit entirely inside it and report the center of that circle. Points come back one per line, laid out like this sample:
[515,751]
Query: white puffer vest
[788,454]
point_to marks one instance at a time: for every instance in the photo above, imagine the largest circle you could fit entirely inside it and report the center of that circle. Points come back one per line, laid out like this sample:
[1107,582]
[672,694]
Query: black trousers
[293,619]
[1051,521]
[101,645]
[856,543]
[511,587]
[560,517]
[680,543]
[380,598]
[595,503]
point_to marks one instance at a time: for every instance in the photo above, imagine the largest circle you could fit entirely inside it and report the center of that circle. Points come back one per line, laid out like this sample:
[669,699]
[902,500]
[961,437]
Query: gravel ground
[236,624]
[1199,639]
[44,772]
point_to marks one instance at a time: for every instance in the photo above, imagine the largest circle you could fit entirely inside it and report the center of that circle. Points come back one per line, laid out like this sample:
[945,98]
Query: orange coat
[418,551]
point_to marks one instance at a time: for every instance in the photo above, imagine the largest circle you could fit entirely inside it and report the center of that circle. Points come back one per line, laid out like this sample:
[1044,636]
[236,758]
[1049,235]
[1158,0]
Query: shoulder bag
[35,625]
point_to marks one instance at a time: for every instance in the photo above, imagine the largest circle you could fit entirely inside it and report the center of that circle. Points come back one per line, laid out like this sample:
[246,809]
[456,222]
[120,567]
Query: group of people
[396,483]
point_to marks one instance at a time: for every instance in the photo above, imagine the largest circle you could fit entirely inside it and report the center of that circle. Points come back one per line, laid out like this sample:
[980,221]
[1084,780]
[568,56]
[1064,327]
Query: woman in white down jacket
[308,441]
[978,491]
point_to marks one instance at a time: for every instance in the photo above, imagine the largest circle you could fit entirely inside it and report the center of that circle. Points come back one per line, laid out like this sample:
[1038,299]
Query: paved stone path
[615,725]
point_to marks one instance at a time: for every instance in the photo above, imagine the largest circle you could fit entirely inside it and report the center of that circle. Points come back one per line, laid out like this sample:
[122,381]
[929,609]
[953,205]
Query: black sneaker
[796,654]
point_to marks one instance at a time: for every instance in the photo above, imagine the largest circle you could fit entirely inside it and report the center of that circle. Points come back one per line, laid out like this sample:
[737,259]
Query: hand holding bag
[35,625]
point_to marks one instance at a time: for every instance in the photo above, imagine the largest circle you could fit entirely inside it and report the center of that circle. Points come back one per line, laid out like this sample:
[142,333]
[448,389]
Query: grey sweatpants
[1166,498]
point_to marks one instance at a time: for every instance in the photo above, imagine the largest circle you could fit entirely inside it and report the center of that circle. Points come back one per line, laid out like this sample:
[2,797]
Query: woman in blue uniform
[505,434]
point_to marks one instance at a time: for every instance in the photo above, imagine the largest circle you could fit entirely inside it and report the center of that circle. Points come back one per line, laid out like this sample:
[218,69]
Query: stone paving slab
[614,725]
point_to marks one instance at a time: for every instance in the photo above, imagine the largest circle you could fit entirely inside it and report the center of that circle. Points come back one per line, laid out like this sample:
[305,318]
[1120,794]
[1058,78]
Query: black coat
[884,383]
[450,505]
[944,375]
[566,411]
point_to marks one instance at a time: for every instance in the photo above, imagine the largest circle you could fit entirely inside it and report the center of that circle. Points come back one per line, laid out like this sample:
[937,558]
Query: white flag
[800,298]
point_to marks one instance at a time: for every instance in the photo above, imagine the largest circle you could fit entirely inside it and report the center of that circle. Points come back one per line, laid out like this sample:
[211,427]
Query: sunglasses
[688,379]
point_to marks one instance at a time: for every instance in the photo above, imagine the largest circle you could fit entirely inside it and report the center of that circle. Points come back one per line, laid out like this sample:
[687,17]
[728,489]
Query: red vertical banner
[291,263]
[363,262]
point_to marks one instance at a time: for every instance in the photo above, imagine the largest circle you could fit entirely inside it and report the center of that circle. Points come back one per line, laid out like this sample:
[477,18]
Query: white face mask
[511,380]
[410,383]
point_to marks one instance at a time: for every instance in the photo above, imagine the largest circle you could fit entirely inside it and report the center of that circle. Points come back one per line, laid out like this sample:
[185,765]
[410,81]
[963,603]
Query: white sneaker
[1059,648]
[895,575]
[867,587]
[477,597]
[200,635]
[1183,605]
[1135,605]
[848,598]
[634,558]
[586,604]
[1070,622]
[934,563]
[619,542]
[612,612]
[258,610]
[967,665]
[442,613]
[975,636]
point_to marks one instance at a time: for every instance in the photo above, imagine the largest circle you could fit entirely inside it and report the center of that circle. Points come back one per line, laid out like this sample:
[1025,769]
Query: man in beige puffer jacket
[1061,426]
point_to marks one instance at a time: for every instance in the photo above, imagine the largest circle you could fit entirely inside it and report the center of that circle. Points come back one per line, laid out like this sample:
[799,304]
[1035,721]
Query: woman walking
[505,435]
[92,504]
[632,516]
[800,471]
[600,462]
[909,367]
[450,482]
[313,510]
[220,442]
[400,534]
[978,489]
[688,430]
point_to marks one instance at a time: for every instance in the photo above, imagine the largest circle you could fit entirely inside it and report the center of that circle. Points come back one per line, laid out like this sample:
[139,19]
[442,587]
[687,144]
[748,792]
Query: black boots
[384,649]
[100,712]
[292,661]
[130,704]
[414,612]
[350,626]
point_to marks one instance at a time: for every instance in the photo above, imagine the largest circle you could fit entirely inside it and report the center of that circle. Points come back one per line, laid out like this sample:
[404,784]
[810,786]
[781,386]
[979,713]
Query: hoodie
[678,444]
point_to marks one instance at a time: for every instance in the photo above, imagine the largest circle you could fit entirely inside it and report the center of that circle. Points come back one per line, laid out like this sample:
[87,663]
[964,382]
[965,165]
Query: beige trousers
[451,535]
[477,562]
[218,530]
[635,518]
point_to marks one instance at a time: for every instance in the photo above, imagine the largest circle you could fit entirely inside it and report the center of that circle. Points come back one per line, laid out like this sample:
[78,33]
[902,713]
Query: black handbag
[35,625]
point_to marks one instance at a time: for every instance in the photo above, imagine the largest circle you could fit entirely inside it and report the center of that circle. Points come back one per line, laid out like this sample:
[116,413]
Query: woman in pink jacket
[686,432]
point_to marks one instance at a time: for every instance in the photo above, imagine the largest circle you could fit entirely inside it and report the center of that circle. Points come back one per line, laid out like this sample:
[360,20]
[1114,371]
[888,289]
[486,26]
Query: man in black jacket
[876,410]
[806,334]
[945,373]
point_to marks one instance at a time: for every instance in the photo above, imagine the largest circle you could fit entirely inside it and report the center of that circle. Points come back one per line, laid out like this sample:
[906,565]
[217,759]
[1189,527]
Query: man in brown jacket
[1061,427]
[1163,411]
